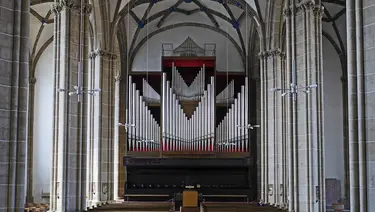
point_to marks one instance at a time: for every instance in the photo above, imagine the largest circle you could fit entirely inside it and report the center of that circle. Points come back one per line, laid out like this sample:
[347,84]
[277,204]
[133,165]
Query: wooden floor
[169,207]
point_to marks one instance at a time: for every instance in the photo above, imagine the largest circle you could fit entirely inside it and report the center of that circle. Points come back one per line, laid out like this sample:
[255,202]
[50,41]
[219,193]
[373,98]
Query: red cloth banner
[189,63]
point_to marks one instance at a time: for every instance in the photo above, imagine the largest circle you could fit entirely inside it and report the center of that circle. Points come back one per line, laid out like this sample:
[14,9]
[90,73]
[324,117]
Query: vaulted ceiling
[232,18]
[143,18]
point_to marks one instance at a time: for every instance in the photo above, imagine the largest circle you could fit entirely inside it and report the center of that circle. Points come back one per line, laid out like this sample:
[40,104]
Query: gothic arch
[170,27]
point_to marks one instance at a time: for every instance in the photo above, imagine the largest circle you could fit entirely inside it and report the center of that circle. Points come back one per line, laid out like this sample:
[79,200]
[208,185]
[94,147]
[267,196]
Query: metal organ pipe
[242,123]
[140,123]
[145,135]
[181,133]
[129,118]
[231,132]
[246,115]
[164,109]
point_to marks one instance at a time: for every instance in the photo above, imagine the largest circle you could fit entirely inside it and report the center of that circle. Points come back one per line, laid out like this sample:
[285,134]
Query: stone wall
[14,58]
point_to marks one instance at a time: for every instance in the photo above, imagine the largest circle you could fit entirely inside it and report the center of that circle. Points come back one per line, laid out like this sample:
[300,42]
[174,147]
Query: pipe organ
[183,133]
[231,135]
[194,116]
[187,126]
[227,95]
[145,136]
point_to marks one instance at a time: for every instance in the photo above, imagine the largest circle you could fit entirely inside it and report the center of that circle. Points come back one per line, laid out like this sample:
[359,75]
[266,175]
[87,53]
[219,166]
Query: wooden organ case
[188,130]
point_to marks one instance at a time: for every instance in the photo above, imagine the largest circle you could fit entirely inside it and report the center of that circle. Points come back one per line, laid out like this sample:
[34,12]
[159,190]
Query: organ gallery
[188,129]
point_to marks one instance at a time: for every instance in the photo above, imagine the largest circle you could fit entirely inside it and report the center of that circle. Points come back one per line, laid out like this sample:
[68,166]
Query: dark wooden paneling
[173,180]
[189,61]
[187,162]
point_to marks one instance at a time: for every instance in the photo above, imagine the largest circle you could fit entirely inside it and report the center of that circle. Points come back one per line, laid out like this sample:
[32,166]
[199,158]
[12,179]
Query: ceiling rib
[36,14]
[239,20]
[135,17]
[141,24]
[204,9]
[170,10]
[236,25]
[39,34]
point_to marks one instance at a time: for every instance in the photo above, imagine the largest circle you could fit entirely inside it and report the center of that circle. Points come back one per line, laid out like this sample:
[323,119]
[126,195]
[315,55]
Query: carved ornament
[287,13]
[71,5]
[102,53]
[32,80]
[118,78]
[274,53]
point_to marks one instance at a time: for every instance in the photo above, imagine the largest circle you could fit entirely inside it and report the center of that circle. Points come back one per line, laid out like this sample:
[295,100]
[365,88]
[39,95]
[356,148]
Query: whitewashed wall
[43,112]
[333,103]
[149,55]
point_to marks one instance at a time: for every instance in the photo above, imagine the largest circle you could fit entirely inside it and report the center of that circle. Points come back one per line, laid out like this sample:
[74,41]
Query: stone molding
[32,80]
[118,78]
[287,12]
[271,53]
[102,53]
[71,5]
[304,6]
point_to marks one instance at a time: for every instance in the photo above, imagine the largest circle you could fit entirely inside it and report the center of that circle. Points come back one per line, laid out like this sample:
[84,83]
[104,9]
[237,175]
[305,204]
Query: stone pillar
[102,128]
[273,153]
[122,103]
[68,181]
[304,44]
[120,137]
[361,98]
[14,70]
[30,139]
[263,129]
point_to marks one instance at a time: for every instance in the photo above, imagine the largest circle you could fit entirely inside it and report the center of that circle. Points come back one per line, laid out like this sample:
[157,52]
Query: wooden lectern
[190,201]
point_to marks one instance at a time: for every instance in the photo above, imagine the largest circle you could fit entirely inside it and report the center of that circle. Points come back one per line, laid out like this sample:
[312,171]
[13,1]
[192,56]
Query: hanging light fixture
[294,88]
[126,125]
[249,126]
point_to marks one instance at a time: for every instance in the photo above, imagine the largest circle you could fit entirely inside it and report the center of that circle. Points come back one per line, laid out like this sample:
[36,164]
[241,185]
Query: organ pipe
[180,132]
[145,136]
[231,137]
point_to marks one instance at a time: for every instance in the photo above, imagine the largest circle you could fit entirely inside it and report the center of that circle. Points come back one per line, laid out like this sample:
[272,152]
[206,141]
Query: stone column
[102,128]
[121,137]
[272,72]
[122,103]
[361,98]
[68,181]
[14,70]
[263,129]
[30,139]
[304,46]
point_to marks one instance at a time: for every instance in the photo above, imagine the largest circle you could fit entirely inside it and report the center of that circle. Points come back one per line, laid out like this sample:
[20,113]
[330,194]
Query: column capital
[32,80]
[272,52]
[287,12]
[118,78]
[263,55]
[102,53]
[276,53]
[306,6]
[71,5]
